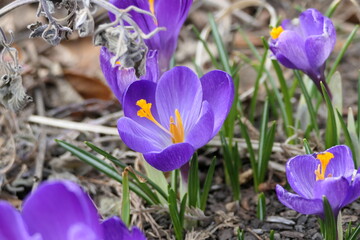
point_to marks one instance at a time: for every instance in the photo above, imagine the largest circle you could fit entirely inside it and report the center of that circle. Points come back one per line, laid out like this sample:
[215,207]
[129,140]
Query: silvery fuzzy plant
[123,38]
[12,92]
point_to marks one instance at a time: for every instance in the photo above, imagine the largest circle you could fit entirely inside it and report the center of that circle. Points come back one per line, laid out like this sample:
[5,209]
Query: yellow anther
[324,159]
[118,62]
[276,31]
[177,129]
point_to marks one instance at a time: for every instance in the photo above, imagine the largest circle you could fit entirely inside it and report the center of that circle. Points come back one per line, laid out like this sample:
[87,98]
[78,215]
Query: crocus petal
[300,174]
[152,68]
[201,133]
[335,189]
[298,203]
[179,88]
[311,22]
[171,158]
[115,229]
[144,90]
[118,79]
[12,224]
[145,22]
[56,208]
[354,192]
[292,46]
[318,49]
[141,138]
[218,90]
[342,164]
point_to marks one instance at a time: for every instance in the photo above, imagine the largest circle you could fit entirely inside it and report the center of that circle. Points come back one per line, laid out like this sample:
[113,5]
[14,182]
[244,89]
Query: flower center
[276,31]
[176,129]
[324,159]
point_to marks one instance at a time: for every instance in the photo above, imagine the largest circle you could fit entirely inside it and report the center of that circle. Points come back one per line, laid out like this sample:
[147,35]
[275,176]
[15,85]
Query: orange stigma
[176,129]
[276,31]
[152,7]
[324,159]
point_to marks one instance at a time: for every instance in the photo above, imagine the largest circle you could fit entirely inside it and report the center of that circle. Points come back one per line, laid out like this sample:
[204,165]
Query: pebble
[292,234]
[277,219]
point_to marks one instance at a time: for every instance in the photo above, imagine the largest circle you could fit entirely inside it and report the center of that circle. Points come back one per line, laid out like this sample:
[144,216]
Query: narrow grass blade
[182,210]
[254,165]
[230,168]
[207,184]
[355,233]
[174,215]
[286,96]
[193,182]
[330,230]
[261,207]
[342,52]
[331,136]
[333,6]
[104,168]
[307,146]
[224,57]
[272,235]
[206,46]
[241,234]
[122,165]
[125,200]
[347,136]
[256,86]
[308,101]
[351,126]
[267,145]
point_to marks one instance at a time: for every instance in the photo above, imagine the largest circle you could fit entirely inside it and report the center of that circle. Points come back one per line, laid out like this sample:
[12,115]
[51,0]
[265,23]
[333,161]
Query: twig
[85,127]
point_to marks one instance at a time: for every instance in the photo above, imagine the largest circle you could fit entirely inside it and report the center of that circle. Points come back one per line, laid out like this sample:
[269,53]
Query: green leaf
[254,165]
[355,233]
[256,86]
[241,234]
[342,52]
[207,184]
[125,203]
[174,215]
[134,175]
[309,104]
[193,182]
[354,137]
[307,146]
[206,46]
[104,168]
[331,136]
[261,207]
[333,6]
[329,222]
[219,44]
[347,136]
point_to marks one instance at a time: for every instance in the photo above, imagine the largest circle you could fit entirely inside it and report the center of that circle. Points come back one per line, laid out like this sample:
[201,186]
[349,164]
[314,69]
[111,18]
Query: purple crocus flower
[329,174]
[305,44]
[168,121]
[60,210]
[170,14]
[120,78]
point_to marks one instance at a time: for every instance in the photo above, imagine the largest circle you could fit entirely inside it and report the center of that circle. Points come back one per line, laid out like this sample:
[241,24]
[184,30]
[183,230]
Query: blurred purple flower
[305,44]
[329,174]
[168,121]
[120,78]
[60,210]
[170,14]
